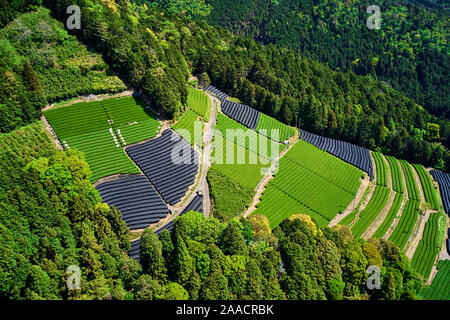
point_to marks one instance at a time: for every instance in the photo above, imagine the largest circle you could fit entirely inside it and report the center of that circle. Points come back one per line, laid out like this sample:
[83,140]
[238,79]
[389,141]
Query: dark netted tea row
[136,199]
[195,205]
[353,154]
[169,163]
[135,249]
[241,113]
[219,94]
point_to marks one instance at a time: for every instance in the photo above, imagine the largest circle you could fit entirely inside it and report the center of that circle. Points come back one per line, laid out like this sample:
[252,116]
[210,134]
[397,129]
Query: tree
[372,254]
[129,272]
[184,264]
[215,287]
[335,288]
[261,229]
[193,286]
[232,241]
[152,260]
[203,262]
[167,247]
[38,284]
[254,281]
[173,291]
[204,79]
[147,288]
[354,265]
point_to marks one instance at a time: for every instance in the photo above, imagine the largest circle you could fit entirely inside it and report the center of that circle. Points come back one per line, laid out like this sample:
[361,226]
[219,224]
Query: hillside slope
[410,51]
[276,81]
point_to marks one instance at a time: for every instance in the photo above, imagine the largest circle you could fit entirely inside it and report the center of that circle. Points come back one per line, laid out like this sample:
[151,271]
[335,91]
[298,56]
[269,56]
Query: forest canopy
[410,51]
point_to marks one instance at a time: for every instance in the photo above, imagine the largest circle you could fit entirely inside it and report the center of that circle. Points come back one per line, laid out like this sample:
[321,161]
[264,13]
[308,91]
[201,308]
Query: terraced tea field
[190,124]
[348,220]
[396,174]
[324,192]
[382,169]
[402,232]
[427,184]
[440,288]
[131,120]
[329,168]
[267,124]
[238,163]
[199,102]
[277,206]
[429,246]
[350,153]
[189,127]
[240,159]
[388,221]
[76,119]
[413,192]
[242,154]
[374,207]
[360,220]
[101,128]
[247,138]
[379,199]
[102,154]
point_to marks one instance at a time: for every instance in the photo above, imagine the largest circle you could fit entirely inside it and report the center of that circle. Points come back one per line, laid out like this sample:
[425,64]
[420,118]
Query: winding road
[202,183]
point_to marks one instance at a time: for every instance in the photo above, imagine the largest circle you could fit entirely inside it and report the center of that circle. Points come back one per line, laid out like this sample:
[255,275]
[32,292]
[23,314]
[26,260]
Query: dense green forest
[64,66]
[11,9]
[410,51]
[21,93]
[437,4]
[52,218]
[41,63]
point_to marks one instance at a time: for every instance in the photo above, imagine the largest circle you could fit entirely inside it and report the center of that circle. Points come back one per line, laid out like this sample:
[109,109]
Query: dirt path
[201,182]
[259,191]
[267,177]
[372,186]
[361,200]
[52,133]
[115,177]
[416,234]
[89,98]
[380,217]
[383,214]
[351,207]
[207,141]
